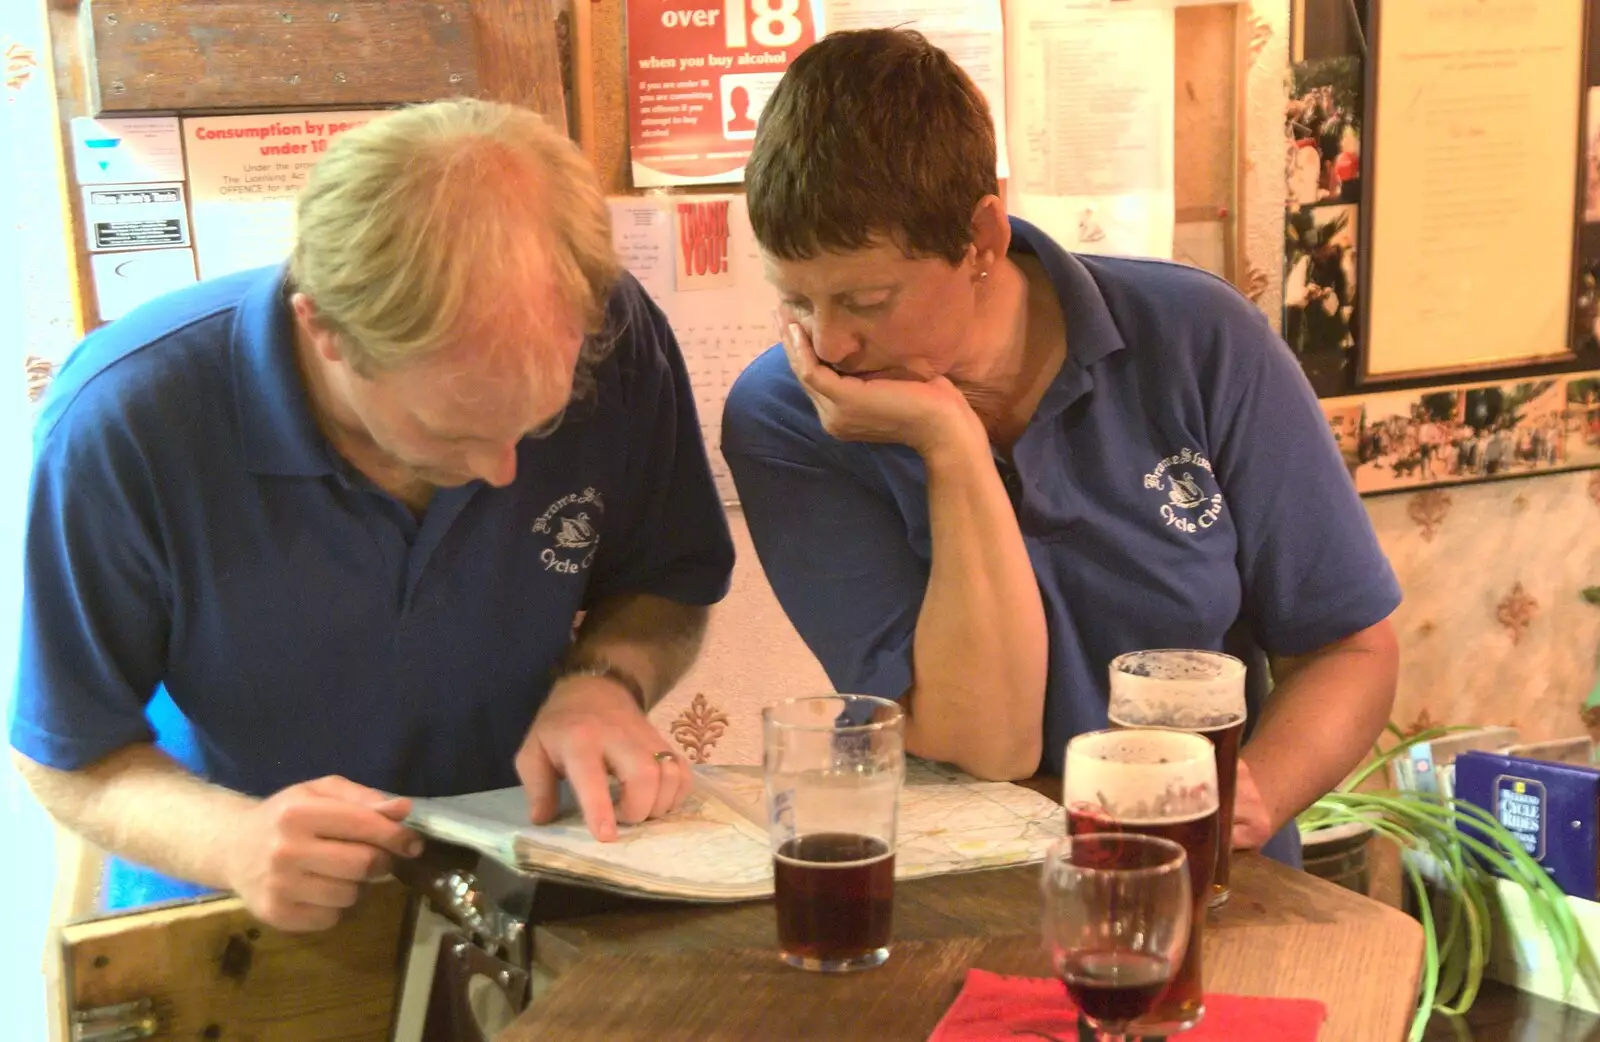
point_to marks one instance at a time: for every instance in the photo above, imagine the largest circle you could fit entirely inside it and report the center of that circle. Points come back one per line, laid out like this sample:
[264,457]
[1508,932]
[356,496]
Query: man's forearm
[981,652]
[652,639]
[1321,720]
[140,804]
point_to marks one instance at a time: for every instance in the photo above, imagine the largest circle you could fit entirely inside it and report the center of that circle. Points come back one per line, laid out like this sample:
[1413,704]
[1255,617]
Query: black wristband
[599,667]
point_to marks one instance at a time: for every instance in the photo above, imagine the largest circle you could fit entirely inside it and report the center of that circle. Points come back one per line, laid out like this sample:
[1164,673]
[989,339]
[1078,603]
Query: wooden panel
[517,56]
[72,93]
[1205,112]
[610,94]
[161,55]
[583,73]
[212,971]
[1208,125]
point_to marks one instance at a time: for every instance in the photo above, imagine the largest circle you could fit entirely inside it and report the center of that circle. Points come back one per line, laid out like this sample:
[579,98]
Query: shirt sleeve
[1312,569]
[834,546]
[674,542]
[96,611]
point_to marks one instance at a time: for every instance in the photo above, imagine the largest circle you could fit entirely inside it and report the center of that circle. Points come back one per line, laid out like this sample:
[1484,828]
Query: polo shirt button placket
[1012,482]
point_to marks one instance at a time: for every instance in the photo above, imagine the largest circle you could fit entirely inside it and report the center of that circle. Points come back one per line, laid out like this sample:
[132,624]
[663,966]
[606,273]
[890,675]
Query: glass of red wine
[1117,910]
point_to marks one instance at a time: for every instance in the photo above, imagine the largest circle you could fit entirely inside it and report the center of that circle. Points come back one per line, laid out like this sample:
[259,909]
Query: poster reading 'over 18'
[699,73]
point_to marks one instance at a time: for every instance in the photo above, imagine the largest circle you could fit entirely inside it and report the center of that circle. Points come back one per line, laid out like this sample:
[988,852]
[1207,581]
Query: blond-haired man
[343,516]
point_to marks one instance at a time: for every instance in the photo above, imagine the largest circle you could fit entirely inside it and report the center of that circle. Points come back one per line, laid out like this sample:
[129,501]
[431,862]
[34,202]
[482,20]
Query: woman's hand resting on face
[921,414]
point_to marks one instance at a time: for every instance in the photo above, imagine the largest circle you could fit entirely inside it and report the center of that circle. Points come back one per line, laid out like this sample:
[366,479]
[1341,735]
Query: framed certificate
[1469,227]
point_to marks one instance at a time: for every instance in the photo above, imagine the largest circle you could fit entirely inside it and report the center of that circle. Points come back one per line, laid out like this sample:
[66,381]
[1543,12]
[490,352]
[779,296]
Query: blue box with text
[1549,807]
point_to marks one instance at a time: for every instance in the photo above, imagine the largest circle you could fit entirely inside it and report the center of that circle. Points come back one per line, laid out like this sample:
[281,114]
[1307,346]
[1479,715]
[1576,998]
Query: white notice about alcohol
[244,172]
[123,281]
[1091,124]
[135,217]
[120,150]
[972,32]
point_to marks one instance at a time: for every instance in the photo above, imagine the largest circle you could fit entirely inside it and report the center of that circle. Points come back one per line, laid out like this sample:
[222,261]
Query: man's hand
[917,413]
[589,729]
[301,855]
[1252,821]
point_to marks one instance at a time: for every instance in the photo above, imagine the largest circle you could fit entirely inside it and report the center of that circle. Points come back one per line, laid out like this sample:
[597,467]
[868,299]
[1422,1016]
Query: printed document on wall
[696,256]
[972,32]
[244,174]
[1091,120]
[699,74]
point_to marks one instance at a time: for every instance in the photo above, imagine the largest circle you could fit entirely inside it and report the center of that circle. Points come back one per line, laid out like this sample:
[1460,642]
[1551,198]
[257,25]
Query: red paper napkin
[996,1008]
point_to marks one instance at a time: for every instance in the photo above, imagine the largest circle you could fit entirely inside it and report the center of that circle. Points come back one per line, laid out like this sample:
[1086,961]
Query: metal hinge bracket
[123,1022]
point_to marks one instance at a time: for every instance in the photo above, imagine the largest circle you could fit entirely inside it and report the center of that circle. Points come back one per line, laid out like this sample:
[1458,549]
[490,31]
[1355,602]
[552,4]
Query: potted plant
[1448,872]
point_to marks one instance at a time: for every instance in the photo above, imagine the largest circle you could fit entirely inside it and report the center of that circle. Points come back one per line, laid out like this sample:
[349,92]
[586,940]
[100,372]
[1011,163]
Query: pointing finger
[591,786]
[539,782]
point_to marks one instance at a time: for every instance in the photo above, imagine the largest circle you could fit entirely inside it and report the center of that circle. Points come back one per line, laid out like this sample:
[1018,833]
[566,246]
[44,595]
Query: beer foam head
[1195,690]
[1135,775]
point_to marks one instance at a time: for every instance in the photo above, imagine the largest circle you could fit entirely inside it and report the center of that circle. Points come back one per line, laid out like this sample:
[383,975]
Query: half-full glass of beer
[834,766]
[1199,691]
[1153,782]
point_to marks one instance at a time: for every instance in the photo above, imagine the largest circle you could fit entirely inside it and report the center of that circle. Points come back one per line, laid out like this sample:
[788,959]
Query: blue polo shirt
[191,532]
[1177,487]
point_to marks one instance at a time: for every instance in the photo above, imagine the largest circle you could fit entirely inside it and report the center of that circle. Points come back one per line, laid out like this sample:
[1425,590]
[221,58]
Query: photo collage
[1322,166]
[1586,306]
[1444,436]
[1432,435]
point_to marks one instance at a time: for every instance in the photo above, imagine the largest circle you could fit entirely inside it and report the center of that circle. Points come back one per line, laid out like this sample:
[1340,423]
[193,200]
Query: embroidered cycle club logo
[569,526]
[1190,497]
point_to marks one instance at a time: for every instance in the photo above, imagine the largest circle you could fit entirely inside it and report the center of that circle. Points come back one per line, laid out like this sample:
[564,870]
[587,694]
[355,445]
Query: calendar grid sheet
[721,328]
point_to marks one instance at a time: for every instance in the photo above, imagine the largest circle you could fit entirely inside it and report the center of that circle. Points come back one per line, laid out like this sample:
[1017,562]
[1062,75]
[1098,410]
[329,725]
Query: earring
[983,276]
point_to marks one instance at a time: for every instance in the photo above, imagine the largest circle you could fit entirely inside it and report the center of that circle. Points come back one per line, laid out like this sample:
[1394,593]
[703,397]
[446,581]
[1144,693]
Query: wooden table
[1504,1014]
[665,971]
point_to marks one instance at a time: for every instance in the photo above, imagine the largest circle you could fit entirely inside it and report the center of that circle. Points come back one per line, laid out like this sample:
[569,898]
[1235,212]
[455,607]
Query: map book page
[715,847]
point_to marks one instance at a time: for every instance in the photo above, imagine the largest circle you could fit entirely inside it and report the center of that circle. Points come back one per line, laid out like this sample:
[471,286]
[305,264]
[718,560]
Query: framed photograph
[1323,120]
[1320,292]
[1327,29]
[1400,440]
[1586,291]
[1591,159]
[1473,180]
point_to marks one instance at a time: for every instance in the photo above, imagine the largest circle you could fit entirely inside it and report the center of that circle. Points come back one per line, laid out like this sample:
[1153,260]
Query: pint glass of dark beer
[1199,691]
[1154,782]
[833,765]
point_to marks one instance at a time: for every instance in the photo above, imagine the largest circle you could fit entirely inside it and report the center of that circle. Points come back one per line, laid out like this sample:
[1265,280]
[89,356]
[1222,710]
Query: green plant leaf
[1402,747]
[1456,915]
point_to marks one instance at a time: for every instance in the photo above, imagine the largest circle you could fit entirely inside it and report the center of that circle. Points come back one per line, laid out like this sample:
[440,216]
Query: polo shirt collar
[1092,332]
[278,433]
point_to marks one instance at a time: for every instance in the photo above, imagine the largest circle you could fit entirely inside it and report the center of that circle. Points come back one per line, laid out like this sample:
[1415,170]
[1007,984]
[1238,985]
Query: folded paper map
[715,847]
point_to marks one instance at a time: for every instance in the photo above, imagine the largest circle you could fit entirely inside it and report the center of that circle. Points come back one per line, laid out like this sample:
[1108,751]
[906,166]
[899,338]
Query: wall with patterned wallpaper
[1494,628]
[1265,189]
[752,656]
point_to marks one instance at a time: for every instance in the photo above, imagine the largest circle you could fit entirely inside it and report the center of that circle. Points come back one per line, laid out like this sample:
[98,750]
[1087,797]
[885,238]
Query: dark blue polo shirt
[1177,487]
[190,529]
